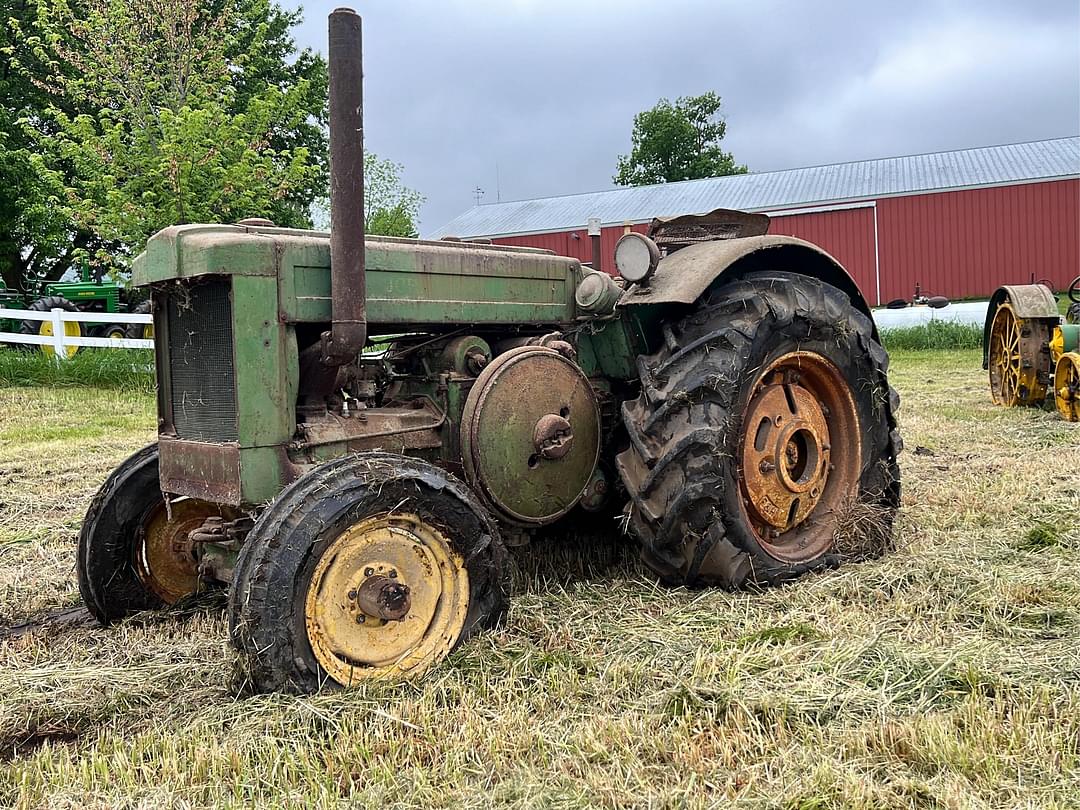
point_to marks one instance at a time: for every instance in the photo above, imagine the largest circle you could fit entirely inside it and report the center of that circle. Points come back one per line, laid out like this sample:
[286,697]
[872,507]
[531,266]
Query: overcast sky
[547,89]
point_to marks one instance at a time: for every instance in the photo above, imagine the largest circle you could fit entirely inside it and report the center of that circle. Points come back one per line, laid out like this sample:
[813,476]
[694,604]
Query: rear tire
[113,331]
[692,509]
[141,331]
[291,609]
[47,304]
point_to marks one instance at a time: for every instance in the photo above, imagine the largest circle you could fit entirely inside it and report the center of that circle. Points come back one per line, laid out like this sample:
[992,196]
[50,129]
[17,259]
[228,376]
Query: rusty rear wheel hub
[165,556]
[800,454]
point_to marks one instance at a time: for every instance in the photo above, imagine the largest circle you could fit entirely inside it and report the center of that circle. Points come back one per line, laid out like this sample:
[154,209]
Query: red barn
[957,223]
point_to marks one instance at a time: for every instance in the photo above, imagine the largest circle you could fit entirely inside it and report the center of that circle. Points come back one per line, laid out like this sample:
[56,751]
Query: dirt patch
[17,745]
[59,619]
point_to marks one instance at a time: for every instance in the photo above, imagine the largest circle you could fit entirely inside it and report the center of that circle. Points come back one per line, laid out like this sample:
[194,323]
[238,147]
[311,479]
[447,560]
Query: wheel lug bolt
[360,619]
[392,574]
[369,572]
[352,594]
[766,466]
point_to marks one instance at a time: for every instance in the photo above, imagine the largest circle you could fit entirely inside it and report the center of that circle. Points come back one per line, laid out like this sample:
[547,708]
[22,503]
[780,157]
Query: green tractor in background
[88,294]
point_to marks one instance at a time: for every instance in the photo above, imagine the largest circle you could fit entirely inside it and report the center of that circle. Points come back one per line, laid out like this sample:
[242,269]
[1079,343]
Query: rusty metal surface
[1018,356]
[348,636]
[674,233]
[530,435]
[553,436]
[60,618]
[384,597]
[165,559]
[1031,300]
[347,279]
[800,455]
[1027,301]
[209,472]
[391,428]
[786,454]
[683,276]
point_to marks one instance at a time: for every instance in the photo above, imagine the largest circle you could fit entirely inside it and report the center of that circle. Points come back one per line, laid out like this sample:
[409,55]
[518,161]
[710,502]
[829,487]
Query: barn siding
[848,235]
[961,244]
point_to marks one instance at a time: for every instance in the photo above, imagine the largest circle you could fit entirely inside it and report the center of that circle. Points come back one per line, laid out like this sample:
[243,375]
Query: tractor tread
[680,467]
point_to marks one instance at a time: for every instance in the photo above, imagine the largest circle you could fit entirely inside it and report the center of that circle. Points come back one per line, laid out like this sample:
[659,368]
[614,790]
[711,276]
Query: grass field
[944,675]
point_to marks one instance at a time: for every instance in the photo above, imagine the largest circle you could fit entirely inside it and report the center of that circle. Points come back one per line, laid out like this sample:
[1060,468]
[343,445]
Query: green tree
[679,141]
[34,231]
[390,208]
[164,113]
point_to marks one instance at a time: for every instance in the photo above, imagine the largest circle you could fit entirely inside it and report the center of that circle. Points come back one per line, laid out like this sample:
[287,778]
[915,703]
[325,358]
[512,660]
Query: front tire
[134,552]
[402,530]
[763,444]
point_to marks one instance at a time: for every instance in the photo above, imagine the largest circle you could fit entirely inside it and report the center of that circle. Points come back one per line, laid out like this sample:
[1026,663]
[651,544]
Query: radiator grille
[202,390]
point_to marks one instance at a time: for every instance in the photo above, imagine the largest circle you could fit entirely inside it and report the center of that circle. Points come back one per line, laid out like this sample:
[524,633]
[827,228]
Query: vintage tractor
[1031,352]
[351,432]
[90,293]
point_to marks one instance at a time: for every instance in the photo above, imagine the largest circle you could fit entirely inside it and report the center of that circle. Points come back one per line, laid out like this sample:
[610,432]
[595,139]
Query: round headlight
[636,257]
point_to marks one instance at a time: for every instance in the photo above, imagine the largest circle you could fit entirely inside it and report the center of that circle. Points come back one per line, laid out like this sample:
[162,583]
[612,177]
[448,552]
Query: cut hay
[944,674]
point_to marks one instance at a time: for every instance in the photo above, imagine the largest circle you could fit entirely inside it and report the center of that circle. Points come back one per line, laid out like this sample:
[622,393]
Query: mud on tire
[267,621]
[682,470]
[109,583]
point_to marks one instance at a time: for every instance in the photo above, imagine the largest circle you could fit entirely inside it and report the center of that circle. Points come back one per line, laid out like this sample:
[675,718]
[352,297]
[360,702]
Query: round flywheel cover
[530,435]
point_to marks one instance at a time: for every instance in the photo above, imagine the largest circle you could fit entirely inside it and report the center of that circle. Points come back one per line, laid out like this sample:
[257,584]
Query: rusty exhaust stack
[347,282]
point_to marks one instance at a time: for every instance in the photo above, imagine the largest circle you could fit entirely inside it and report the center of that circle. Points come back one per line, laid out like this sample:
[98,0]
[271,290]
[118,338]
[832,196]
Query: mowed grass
[946,674]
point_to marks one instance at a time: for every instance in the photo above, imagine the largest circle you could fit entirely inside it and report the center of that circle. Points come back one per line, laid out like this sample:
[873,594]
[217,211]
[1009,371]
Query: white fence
[60,341]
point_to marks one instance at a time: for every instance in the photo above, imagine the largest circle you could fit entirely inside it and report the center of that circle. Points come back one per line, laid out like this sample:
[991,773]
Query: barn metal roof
[814,185]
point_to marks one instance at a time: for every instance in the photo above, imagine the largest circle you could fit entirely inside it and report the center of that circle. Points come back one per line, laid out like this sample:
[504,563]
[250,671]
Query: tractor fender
[1027,300]
[683,276]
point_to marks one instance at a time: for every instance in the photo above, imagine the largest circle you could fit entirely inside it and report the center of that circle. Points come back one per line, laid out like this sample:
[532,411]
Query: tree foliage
[677,141]
[390,208]
[160,113]
[121,117]
[33,228]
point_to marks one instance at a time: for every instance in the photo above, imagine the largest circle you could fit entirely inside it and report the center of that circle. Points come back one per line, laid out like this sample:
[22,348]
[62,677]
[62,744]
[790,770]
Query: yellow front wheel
[371,566]
[388,597]
[1067,386]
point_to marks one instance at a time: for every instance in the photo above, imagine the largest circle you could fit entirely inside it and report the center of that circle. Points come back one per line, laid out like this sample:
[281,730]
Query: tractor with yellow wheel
[1031,352]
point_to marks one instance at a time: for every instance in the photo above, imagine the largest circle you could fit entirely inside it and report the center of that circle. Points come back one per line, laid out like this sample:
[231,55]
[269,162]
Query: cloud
[546,90]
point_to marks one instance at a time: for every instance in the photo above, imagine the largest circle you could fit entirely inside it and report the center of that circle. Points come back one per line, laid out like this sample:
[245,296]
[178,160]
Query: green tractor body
[235,304]
[10,299]
[353,431]
[89,295]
